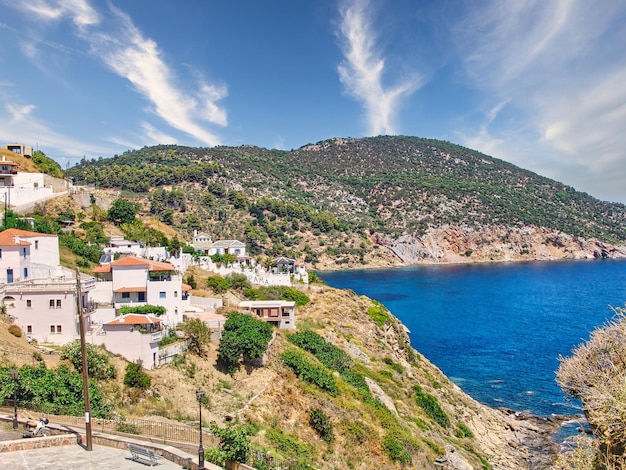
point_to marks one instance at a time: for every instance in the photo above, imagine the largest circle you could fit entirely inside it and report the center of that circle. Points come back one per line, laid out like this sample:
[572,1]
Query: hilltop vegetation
[328,199]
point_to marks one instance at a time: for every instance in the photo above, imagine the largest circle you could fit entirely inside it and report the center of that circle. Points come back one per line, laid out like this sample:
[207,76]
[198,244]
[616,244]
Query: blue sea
[497,330]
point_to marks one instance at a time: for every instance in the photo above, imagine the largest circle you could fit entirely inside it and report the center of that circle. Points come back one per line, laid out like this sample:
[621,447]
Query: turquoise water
[497,330]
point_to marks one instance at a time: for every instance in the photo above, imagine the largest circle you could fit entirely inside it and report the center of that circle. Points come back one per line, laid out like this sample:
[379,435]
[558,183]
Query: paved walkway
[75,457]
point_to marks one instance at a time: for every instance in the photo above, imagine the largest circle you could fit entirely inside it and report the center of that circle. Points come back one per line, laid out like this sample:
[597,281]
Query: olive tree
[243,336]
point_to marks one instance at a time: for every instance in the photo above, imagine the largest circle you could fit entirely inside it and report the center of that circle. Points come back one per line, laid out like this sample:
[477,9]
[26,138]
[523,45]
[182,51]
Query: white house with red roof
[133,282]
[36,291]
[133,336]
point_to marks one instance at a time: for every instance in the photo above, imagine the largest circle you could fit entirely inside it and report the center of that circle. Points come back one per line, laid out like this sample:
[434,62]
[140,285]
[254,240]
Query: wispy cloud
[362,70]
[121,46]
[20,123]
[566,91]
[156,136]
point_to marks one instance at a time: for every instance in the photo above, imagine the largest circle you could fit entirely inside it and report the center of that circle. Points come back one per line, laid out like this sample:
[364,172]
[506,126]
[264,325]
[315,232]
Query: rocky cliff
[459,244]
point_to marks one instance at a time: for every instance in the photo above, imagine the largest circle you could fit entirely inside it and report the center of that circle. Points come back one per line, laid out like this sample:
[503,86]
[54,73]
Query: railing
[182,433]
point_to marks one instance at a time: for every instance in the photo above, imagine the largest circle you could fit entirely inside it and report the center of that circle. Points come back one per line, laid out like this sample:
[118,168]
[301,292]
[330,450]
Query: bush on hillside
[322,425]
[277,293]
[15,331]
[136,377]
[431,407]
[243,336]
[595,375]
[98,366]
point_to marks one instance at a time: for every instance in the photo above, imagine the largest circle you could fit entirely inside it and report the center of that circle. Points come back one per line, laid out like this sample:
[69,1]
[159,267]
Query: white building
[280,313]
[135,337]
[46,309]
[41,296]
[204,243]
[22,252]
[133,282]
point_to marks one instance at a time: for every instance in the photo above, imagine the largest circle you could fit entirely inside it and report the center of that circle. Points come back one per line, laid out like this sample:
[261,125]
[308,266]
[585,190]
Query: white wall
[13,258]
[131,345]
[44,320]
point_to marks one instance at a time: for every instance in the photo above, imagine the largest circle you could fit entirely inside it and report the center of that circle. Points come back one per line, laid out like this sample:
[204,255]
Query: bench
[143,453]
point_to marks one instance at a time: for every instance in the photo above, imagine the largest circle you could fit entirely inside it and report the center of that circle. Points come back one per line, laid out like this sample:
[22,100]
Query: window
[29,303]
[36,244]
[162,295]
[51,303]
[125,295]
[25,273]
[0,253]
[29,329]
[59,330]
[58,303]
[141,297]
[175,294]
[9,276]
[56,329]
[24,252]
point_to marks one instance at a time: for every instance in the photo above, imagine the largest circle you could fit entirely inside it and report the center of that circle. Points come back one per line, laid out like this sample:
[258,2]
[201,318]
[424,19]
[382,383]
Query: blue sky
[538,83]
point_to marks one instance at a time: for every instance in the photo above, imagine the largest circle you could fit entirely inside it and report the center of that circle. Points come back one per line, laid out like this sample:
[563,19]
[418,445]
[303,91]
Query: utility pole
[83,352]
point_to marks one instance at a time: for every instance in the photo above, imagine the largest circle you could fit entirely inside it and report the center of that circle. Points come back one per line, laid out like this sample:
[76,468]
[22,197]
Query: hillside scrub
[98,365]
[243,337]
[56,391]
[595,373]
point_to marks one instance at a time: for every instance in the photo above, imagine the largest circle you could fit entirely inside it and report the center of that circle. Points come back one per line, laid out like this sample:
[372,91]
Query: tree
[98,365]
[198,334]
[595,374]
[122,211]
[234,442]
[136,377]
[243,336]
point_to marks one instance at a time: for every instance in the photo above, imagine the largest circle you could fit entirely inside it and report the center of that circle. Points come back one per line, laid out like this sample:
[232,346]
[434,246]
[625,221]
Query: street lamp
[14,376]
[200,397]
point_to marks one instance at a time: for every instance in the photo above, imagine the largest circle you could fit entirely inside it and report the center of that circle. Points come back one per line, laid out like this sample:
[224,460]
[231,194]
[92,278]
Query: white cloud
[20,124]
[121,46]
[155,136]
[80,12]
[560,67]
[361,72]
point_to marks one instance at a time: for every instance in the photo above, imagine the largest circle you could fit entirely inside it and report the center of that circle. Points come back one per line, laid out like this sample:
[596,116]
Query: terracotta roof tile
[135,261]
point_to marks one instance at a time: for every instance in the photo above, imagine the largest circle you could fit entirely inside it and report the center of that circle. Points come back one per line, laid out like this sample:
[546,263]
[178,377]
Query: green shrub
[168,339]
[463,431]
[394,365]
[309,372]
[288,444]
[15,331]
[54,391]
[243,335]
[437,449]
[98,365]
[328,354]
[234,441]
[396,451]
[320,422]
[156,310]
[136,377]
[357,432]
[277,293]
[431,407]
[379,314]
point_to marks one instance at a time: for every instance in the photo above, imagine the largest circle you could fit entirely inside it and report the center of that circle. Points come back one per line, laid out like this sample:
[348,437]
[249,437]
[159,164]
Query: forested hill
[393,185]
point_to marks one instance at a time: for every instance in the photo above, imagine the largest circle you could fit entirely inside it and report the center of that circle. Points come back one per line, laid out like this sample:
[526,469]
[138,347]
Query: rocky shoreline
[465,245]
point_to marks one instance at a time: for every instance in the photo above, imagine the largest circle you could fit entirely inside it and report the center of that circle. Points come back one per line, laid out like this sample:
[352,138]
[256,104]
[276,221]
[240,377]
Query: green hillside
[392,185]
